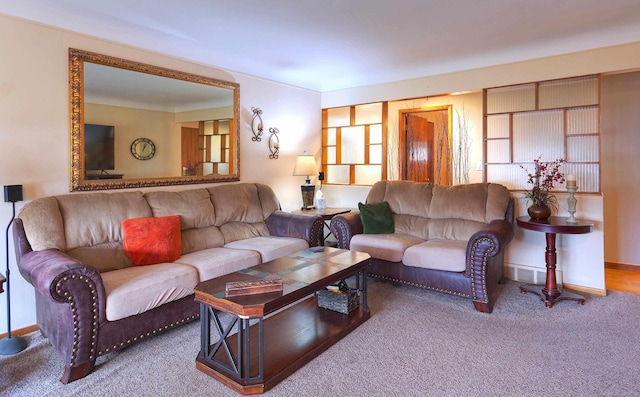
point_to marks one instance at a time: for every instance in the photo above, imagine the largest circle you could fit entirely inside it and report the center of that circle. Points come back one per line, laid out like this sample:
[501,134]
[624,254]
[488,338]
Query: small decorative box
[339,301]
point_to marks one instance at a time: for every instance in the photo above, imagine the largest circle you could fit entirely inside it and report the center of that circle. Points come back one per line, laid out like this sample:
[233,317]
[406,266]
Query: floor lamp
[11,344]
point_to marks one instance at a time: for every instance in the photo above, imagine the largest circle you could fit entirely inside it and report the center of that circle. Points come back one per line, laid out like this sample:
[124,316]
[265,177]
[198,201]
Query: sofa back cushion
[197,217]
[43,224]
[241,209]
[432,211]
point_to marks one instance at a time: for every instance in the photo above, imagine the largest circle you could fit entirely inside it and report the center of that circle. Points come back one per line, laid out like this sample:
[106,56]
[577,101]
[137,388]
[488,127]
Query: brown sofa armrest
[345,226]
[286,224]
[491,239]
[60,278]
[482,250]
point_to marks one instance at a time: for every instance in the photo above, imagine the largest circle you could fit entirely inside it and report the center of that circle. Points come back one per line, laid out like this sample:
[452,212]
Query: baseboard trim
[21,331]
[622,266]
[586,290]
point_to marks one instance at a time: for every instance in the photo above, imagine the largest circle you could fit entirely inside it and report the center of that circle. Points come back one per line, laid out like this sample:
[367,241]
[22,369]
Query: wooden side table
[326,214]
[552,226]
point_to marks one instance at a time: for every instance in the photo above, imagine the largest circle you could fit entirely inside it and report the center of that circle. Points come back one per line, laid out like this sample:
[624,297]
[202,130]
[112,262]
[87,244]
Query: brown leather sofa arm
[345,226]
[76,306]
[287,224]
[60,278]
[491,239]
[482,249]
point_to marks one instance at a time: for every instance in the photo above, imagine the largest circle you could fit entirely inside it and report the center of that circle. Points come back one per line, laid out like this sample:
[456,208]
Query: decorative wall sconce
[274,143]
[257,127]
[256,124]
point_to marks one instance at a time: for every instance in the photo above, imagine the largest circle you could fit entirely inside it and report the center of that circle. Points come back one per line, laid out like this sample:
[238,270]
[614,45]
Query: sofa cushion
[236,203]
[270,247]
[197,217]
[43,224]
[106,212]
[103,257]
[376,218]
[388,247]
[137,289]
[193,206]
[450,255]
[148,241]
[216,262]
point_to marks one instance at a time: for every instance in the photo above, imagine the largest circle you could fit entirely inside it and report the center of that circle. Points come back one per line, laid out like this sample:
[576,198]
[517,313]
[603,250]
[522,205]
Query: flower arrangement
[543,179]
[191,168]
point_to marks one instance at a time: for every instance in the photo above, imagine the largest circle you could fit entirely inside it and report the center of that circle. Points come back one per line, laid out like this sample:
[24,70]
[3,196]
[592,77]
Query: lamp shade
[305,165]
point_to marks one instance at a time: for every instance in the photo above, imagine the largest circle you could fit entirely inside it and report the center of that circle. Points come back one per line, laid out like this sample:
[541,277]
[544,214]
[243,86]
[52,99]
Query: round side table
[552,226]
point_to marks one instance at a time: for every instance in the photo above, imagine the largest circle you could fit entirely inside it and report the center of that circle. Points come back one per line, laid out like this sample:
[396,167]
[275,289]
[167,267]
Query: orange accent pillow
[148,241]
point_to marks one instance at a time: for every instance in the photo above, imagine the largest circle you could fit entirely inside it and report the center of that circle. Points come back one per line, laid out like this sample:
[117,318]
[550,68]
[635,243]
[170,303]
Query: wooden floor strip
[622,280]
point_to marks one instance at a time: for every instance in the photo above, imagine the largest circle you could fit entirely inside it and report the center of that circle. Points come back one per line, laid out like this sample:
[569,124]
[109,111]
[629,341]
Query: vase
[539,212]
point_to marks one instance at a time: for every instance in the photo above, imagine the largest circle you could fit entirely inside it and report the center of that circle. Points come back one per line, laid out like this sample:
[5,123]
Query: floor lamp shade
[11,344]
[306,166]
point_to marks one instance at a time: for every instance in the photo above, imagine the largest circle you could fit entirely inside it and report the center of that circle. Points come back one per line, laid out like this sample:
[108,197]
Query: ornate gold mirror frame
[220,164]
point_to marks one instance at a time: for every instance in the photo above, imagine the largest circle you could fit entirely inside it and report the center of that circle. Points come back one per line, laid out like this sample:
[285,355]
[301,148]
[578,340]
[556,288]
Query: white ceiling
[326,45]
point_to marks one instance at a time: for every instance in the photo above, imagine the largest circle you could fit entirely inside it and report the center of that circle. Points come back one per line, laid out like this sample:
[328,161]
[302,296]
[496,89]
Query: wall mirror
[136,125]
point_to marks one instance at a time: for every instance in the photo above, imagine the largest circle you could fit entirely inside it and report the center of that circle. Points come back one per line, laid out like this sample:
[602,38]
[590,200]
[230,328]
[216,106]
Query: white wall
[34,126]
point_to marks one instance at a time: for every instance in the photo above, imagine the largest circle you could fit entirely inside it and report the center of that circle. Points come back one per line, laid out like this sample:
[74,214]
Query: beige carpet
[417,343]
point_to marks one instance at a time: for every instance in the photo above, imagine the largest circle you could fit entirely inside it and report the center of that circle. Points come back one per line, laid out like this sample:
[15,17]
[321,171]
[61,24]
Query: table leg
[550,293]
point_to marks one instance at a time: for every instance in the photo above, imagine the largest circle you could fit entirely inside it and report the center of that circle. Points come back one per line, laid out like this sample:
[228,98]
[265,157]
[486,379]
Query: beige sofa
[446,238]
[90,300]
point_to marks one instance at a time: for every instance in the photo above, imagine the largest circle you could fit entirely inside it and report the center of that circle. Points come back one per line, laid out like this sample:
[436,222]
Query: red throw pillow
[148,241]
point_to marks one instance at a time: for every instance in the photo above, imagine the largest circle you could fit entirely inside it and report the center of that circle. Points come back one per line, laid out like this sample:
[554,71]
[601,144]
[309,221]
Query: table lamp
[305,166]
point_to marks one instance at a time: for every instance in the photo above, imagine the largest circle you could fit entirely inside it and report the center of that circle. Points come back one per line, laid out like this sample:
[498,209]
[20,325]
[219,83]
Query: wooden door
[190,146]
[419,149]
[431,146]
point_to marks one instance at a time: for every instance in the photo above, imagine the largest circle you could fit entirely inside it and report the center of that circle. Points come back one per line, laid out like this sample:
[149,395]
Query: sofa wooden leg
[483,307]
[74,373]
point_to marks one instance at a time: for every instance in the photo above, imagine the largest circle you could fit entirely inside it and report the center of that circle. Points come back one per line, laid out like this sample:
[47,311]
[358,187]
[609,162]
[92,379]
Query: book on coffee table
[237,288]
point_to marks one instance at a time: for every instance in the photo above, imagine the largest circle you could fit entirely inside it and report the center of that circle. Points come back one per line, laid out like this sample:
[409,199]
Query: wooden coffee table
[267,347]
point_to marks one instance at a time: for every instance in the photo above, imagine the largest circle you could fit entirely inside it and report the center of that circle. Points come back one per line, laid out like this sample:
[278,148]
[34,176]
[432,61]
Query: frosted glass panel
[369,113]
[375,154]
[511,99]
[223,127]
[538,134]
[337,117]
[498,151]
[569,92]
[331,155]
[223,168]
[582,121]
[331,136]
[208,128]
[207,168]
[375,133]
[509,175]
[587,177]
[352,145]
[498,126]
[338,174]
[368,174]
[215,149]
[582,149]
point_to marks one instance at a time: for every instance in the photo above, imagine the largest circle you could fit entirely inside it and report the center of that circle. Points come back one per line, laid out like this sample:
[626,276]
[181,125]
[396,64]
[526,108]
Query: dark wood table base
[551,297]
[550,293]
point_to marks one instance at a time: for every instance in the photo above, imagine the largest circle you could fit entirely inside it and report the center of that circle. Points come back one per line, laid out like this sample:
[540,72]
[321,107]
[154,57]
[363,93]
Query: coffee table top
[302,273]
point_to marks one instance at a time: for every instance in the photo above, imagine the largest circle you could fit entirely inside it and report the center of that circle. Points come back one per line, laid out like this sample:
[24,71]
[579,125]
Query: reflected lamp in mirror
[306,166]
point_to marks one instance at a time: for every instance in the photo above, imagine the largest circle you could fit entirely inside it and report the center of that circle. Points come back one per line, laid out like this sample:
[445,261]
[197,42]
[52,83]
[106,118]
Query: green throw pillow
[376,218]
